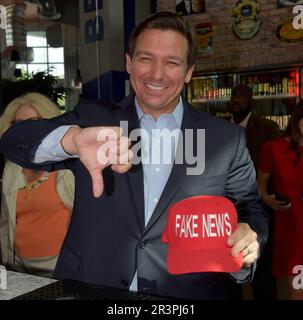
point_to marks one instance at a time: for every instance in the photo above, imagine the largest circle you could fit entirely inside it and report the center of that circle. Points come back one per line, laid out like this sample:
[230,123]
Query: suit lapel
[135,174]
[178,171]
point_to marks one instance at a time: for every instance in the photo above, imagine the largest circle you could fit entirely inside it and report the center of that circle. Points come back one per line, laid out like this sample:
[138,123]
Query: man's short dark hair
[164,20]
[243,88]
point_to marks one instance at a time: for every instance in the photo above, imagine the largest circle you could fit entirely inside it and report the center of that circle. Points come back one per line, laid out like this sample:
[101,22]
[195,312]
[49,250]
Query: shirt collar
[177,114]
[244,122]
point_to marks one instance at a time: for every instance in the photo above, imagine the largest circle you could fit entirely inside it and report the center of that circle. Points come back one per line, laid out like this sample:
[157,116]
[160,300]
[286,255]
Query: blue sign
[93,28]
[90,5]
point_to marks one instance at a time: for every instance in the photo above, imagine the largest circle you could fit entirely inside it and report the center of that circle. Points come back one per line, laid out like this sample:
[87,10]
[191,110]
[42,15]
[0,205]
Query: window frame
[47,63]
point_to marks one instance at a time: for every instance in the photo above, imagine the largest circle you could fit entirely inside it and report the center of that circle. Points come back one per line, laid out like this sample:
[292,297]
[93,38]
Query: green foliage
[42,82]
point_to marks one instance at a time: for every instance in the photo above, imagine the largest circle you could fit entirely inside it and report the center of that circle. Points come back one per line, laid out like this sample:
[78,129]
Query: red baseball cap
[197,230]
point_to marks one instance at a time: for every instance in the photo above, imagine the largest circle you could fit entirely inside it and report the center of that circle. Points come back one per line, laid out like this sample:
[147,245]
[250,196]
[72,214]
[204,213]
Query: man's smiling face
[158,70]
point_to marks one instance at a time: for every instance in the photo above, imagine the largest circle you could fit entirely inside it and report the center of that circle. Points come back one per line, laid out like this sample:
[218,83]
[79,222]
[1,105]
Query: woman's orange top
[41,219]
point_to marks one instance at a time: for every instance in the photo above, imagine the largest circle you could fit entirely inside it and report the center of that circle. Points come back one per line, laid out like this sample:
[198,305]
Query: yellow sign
[287,33]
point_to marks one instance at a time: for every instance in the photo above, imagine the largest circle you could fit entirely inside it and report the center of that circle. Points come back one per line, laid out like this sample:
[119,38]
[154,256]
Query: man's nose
[158,71]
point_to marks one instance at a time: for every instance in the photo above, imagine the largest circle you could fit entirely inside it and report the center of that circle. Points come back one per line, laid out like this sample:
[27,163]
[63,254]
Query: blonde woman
[36,205]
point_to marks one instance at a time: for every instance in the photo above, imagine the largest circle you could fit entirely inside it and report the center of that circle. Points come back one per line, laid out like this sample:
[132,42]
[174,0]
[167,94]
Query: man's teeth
[155,87]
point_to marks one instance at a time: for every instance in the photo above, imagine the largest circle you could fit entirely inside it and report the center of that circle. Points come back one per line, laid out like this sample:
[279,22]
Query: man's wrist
[68,143]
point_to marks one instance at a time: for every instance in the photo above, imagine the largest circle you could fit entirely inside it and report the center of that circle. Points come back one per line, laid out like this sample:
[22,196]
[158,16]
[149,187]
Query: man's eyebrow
[142,52]
[180,59]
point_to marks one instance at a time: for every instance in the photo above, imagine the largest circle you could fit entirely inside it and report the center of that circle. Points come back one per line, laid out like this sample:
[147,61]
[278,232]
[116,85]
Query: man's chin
[155,105]
[240,113]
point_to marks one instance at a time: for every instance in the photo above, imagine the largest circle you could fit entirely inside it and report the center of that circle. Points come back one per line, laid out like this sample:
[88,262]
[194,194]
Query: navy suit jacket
[107,240]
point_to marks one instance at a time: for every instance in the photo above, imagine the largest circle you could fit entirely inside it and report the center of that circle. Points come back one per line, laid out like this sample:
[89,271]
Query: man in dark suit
[258,130]
[115,239]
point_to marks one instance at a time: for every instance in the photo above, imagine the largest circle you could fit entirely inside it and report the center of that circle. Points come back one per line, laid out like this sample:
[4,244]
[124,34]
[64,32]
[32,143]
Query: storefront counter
[27,287]
[20,283]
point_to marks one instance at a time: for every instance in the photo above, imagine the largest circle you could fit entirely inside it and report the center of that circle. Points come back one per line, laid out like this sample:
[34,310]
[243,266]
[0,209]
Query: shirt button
[142,244]
[50,143]
[157,169]
[54,153]
[155,200]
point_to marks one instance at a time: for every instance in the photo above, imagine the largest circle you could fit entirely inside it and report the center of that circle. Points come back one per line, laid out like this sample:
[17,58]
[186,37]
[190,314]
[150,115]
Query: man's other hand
[244,240]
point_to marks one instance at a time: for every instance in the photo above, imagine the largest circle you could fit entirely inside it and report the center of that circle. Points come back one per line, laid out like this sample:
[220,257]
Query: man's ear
[128,63]
[189,74]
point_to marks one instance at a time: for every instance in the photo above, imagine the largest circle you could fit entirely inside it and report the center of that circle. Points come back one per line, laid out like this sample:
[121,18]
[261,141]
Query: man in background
[258,130]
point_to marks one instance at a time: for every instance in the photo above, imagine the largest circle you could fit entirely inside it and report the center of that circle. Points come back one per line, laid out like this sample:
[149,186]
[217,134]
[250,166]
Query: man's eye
[173,63]
[145,59]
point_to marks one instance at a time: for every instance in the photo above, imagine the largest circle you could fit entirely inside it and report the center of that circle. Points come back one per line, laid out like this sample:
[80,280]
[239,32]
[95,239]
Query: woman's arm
[270,200]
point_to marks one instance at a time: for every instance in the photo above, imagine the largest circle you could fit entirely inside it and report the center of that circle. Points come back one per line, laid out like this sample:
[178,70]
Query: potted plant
[42,82]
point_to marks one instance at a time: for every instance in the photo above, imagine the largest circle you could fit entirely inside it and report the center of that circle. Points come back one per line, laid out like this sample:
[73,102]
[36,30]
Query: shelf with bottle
[204,100]
[275,96]
[225,97]
[281,120]
[210,88]
[268,84]
[275,91]
[272,85]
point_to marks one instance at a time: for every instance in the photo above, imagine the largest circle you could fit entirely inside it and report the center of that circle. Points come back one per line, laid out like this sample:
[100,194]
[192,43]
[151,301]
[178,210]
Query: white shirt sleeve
[51,149]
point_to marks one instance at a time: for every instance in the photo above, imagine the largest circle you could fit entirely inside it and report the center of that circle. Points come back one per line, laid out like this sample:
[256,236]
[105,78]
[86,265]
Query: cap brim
[181,261]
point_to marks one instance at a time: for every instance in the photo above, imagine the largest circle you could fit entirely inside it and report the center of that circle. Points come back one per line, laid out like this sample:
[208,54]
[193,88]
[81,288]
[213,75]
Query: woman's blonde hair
[44,106]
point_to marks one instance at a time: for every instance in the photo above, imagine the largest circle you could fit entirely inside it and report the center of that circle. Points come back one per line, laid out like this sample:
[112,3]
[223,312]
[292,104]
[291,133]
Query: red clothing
[278,160]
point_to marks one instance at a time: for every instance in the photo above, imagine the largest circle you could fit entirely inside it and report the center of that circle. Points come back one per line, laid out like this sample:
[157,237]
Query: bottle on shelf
[272,87]
[285,87]
[250,82]
[255,86]
[261,88]
[278,86]
[281,120]
[292,87]
[266,88]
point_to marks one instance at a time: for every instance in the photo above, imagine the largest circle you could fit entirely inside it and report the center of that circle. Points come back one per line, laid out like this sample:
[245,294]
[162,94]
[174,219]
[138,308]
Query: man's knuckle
[254,235]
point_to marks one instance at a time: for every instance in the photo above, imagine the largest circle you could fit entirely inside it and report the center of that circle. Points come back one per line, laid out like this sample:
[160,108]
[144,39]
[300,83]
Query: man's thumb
[97,181]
